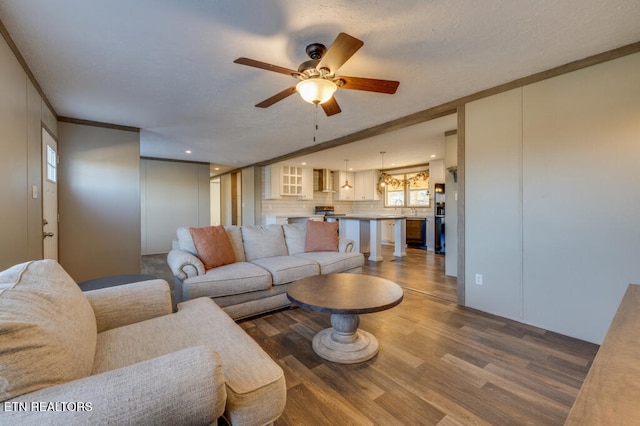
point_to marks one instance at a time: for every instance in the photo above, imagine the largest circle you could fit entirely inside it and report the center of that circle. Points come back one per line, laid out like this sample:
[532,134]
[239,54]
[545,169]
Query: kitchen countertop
[294,215]
[372,217]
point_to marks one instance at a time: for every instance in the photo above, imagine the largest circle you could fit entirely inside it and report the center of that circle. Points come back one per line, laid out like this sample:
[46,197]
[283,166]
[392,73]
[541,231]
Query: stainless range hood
[323,180]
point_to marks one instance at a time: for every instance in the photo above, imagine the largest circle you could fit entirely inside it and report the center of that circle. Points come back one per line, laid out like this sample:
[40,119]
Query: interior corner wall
[246,196]
[173,194]
[451,207]
[226,215]
[493,217]
[21,113]
[99,201]
[552,199]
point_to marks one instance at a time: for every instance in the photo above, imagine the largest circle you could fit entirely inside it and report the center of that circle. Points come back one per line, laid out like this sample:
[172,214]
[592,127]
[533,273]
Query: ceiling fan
[318,80]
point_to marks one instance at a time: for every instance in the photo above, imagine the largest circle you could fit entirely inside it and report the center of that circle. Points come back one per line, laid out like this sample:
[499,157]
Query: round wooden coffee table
[345,297]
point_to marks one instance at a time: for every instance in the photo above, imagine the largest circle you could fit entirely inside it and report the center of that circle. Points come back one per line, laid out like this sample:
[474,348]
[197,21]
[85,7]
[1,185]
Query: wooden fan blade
[277,97]
[343,47]
[331,107]
[368,84]
[265,66]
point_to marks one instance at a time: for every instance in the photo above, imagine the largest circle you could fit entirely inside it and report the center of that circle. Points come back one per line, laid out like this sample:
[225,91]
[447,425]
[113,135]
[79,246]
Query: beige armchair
[118,355]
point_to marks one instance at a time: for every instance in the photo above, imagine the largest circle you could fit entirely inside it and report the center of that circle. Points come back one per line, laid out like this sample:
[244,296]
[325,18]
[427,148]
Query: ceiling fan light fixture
[316,90]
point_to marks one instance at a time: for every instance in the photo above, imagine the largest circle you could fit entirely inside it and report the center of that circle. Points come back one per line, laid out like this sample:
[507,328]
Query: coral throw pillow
[213,246]
[321,236]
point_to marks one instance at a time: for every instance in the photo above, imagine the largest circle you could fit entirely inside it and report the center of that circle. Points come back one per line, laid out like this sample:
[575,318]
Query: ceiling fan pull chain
[315,124]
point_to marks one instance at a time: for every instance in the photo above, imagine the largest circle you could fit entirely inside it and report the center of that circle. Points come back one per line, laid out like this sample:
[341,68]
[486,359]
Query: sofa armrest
[183,387]
[184,265]
[129,303]
[345,245]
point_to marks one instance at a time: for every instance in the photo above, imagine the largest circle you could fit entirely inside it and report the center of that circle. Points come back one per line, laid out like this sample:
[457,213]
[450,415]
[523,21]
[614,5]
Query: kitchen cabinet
[388,231]
[365,186]
[343,194]
[417,232]
[307,184]
[272,179]
[281,180]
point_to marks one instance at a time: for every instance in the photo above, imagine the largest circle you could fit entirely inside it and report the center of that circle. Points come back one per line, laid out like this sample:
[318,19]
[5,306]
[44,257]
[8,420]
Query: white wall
[552,199]
[173,194]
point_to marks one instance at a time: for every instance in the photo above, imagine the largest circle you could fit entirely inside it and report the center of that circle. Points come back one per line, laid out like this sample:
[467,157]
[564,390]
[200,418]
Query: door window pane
[51,165]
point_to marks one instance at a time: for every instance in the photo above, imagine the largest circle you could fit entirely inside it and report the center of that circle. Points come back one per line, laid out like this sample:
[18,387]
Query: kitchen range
[328,212]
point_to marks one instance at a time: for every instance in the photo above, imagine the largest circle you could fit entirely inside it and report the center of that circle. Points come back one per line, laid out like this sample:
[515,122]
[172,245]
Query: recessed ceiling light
[216,168]
[304,164]
[433,156]
[188,151]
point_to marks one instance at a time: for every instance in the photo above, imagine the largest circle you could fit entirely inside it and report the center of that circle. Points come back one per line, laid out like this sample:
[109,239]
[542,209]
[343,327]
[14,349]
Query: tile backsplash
[293,206]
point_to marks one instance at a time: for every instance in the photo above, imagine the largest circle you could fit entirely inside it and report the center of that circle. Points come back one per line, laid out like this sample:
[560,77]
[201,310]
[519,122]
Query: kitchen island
[366,232]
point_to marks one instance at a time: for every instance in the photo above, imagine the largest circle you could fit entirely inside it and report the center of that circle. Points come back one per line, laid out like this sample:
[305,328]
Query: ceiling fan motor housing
[316,50]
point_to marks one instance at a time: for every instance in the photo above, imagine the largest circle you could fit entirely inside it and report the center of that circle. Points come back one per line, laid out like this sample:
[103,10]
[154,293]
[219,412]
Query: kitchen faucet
[398,203]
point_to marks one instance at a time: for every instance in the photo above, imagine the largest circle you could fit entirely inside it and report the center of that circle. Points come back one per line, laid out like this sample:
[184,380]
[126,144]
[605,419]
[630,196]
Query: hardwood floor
[438,363]
[420,270]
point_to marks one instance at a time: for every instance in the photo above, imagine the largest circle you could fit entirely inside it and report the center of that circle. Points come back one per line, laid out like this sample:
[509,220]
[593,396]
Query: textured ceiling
[167,66]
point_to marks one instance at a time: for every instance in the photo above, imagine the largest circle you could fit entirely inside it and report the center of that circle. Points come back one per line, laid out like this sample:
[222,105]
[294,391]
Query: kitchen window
[407,190]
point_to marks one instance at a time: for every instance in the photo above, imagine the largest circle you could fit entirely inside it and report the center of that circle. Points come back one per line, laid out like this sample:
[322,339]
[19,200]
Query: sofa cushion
[235,235]
[213,246]
[47,328]
[185,242]
[263,241]
[255,383]
[334,262]
[236,278]
[285,269]
[321,236]
[294,236]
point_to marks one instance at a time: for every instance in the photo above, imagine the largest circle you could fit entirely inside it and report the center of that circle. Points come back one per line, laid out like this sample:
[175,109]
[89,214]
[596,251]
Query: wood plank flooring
[439,364]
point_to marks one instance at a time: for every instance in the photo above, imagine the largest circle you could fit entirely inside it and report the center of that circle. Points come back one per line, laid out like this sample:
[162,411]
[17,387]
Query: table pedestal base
[344,343]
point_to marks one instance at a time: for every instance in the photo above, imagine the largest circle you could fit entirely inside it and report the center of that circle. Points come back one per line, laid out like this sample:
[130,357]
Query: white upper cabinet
[307,184]
[272,182]
[365,186]
[343,194]
[284,180]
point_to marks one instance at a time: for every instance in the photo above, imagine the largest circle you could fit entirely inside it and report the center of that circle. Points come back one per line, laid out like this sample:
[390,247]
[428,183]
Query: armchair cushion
[47,326]
[129,303]
[255,384]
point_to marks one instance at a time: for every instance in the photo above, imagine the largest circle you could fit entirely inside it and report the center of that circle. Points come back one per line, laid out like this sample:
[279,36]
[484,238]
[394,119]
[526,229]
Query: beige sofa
[119,356]
[268,259]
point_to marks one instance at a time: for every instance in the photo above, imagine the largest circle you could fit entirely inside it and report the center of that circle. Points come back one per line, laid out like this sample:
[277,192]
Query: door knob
[47,234]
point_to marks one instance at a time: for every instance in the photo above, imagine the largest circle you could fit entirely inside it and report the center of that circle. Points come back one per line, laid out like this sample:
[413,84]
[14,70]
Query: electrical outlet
[479,279]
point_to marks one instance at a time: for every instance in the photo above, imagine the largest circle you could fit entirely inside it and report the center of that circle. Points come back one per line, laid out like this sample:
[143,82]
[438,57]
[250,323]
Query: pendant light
[381,178]
[346,180]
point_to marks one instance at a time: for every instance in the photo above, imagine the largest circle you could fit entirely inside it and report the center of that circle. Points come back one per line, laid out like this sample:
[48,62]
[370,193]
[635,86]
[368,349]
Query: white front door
[49,196]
